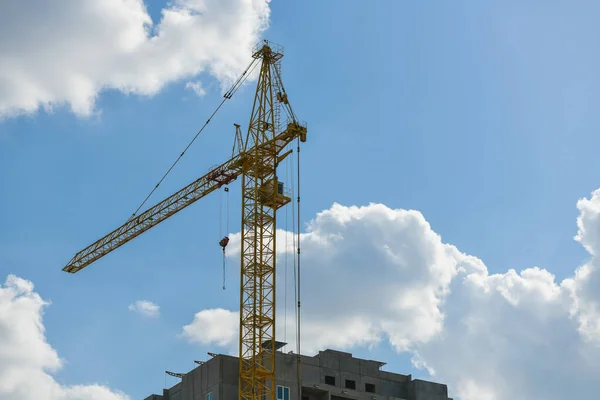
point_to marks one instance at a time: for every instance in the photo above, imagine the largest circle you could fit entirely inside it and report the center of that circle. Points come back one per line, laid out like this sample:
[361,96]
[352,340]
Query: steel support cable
[288,108]
[295,260]
[226,230]
[238,83]
[285,286]
[221,231]
[223,270]
[298,241]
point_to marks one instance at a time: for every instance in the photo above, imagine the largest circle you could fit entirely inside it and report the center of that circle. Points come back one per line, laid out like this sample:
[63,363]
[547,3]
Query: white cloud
[145,308]
[213,326]
[26,359]
[372,274]
[66,52]
[196,87]
[366,254]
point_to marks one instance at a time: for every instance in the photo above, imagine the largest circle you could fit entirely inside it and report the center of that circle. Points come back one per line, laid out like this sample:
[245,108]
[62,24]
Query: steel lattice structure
[256,160]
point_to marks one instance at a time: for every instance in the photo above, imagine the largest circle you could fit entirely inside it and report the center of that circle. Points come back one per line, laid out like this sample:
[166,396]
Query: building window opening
[369,388]
[283,393]
[330,380]
[350,384]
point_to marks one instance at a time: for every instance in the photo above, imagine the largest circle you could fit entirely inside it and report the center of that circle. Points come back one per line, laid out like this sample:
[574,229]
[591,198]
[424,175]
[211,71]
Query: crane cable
[238,83]
[296,262]
[226,229]
[288,166]
[288,109]
[294,259]
[221,231]
[298,284]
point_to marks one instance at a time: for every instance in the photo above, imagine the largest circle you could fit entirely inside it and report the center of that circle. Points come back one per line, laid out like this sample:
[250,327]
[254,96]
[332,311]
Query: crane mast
[256,161]
[260,200]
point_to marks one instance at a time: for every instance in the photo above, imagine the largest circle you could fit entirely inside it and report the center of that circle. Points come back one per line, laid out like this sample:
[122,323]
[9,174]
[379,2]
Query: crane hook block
[223,243]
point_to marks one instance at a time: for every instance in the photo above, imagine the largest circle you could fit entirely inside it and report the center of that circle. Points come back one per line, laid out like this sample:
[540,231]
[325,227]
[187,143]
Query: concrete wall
[220,375]
[154,397]
[343,367]
[217,375]
[175,392]
[423,390]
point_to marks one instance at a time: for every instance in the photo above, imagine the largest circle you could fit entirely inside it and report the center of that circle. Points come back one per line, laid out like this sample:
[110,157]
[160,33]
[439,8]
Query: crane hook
[224,242]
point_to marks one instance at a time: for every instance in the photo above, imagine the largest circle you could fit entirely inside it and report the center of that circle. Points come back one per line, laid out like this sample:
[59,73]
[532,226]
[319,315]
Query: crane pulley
[255,159]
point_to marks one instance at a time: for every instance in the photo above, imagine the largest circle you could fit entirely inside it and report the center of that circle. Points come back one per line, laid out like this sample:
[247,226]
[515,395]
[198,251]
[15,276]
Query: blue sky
[480,115]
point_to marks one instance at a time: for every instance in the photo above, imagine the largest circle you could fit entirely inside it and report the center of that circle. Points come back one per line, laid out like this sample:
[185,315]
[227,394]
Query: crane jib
[219,176]
[216,178]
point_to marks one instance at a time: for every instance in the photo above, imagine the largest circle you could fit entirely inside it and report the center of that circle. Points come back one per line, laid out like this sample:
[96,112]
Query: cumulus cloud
[217,326]
[145,308]
[196,87]
[67,52]
[398,302]
[27,361]
[379,274]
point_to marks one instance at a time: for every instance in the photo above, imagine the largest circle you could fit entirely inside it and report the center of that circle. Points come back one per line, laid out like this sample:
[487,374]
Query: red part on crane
[223,242]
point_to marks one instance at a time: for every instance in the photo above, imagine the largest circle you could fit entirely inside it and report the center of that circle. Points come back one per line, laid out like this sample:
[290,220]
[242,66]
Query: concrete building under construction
[330,375]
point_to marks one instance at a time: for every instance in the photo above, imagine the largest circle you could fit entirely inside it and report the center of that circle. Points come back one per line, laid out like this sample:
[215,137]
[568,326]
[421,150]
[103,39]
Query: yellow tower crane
[256,160]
